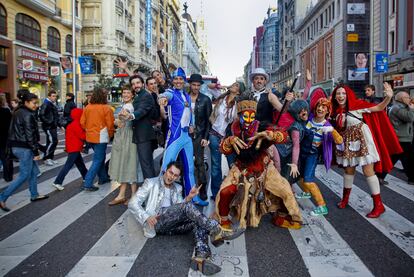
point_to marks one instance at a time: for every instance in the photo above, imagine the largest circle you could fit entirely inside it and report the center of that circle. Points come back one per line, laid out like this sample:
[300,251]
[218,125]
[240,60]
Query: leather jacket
[49,115]
[202,112]
[152,193]
[23,131]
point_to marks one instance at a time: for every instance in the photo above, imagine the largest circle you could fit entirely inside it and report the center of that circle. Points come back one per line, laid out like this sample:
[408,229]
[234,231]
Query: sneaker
[39,197]
[58,186]
[49,162]
[303,195]
[40,173]
[55,162]
[220,234]
[90,188]
[320,210]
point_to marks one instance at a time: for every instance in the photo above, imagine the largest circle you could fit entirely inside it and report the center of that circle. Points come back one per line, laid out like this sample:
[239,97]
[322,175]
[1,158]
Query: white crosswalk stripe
[391,224]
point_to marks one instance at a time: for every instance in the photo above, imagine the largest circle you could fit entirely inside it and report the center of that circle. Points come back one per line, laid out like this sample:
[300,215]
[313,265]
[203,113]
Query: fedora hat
[259,71]
[196,78]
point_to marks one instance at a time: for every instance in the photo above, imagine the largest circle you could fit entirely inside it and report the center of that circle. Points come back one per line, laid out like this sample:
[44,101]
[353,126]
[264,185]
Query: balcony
[45,7]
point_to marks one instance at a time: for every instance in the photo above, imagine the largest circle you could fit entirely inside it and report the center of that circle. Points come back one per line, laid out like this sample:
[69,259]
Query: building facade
[35,36]
[269,44]
[191,55]
[394,35]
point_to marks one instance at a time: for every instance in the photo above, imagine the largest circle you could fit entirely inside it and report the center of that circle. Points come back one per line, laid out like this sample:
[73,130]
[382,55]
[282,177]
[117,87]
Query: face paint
[247,117]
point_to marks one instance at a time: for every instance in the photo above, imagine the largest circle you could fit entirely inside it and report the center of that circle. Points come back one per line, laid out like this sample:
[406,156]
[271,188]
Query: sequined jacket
[152,193]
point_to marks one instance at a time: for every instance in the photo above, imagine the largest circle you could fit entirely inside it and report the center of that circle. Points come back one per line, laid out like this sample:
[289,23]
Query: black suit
[143,132]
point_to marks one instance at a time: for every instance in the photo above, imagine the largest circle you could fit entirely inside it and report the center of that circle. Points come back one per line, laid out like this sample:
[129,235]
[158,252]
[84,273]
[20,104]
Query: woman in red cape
[369,141]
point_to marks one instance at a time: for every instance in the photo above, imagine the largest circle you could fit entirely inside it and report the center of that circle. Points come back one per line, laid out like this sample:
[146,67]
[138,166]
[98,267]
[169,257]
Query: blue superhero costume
[178,140]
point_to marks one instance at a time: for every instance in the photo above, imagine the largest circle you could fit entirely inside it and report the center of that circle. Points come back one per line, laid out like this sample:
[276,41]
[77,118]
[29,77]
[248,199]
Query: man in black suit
[143,132]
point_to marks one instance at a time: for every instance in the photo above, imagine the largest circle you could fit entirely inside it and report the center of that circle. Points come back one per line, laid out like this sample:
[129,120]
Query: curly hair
[99,96]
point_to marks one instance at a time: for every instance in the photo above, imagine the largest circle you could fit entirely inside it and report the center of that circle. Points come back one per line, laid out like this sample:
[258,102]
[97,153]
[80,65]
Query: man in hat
[266,100]
[180,120]
[201,108]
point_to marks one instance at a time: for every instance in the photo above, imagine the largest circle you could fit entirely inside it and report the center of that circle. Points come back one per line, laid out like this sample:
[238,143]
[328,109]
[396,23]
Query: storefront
[32,71]
[6,68]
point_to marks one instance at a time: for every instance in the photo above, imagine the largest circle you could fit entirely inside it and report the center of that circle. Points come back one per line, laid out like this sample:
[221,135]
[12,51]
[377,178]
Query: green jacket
[402,118]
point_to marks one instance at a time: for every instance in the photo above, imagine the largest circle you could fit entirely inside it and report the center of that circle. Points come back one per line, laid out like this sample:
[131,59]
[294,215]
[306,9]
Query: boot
[284,223]
[345,198]
[378,207]
[205,266]
[220,234]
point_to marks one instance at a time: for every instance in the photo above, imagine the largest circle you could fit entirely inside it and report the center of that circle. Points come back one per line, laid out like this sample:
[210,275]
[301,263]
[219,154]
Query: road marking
[394,226]
[323,250]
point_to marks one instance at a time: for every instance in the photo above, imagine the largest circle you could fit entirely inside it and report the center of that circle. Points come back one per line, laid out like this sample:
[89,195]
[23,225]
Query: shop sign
[86,64]
[35,76]
[27,65]
[398,80]
[38,69]
[356,8]
[33,55]
[55,70]
[148,23]
[352,37]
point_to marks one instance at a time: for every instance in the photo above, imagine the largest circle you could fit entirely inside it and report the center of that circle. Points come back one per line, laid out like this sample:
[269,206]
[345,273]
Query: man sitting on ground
[167,213]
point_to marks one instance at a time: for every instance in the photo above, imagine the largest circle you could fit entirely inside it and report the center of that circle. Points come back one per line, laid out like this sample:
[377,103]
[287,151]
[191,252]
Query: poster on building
[86,65]
[381,62]
[66,63]
[356,8]
[359,69]
[148,24]
[54,70]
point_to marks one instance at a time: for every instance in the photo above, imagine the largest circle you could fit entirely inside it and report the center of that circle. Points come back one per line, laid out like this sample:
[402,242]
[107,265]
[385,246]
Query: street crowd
[270,141]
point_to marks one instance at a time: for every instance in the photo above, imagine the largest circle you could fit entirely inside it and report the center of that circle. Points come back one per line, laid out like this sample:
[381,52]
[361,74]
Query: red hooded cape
[386,141]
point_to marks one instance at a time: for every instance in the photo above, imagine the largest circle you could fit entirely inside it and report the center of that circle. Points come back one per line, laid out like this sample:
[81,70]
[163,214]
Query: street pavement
[76,233]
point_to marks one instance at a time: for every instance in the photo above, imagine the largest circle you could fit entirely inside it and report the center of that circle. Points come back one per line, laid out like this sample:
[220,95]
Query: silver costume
[181,217]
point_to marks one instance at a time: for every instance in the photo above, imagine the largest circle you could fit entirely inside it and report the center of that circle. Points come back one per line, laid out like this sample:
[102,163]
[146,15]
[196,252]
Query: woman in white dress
[359,147]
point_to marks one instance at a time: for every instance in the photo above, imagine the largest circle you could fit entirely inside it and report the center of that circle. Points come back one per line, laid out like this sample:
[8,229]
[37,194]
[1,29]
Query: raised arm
[123,65]
[388,92]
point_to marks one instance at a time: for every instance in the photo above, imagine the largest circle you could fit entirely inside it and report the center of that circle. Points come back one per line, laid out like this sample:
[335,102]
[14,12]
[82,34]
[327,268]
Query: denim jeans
[28,172]
[73,158]
[216,174]
[308,165]
[98,165]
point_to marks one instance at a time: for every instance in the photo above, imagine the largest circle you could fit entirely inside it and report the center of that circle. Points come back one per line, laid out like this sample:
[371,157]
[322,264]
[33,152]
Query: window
[3,21]
[392,6]
[27,29]
[392,42]
[333,10]
[68,44]
[53,39]
[2,54]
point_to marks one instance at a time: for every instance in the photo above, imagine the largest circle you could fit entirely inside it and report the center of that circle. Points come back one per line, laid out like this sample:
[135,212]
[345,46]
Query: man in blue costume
[180,123]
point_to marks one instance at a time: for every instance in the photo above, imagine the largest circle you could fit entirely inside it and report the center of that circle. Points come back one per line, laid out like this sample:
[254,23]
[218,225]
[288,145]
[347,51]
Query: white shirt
[186,117]
[221,123]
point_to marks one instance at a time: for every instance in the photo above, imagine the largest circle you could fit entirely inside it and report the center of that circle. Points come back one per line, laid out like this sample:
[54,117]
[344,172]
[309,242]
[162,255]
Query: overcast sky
[231,25]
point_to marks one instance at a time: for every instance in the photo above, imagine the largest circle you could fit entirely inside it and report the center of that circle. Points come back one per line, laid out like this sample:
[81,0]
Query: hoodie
[75,135]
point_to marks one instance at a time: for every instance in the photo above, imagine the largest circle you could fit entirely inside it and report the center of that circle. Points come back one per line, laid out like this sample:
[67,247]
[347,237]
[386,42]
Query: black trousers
[145,151]
[7,165]
[407,160]
[51,143]
[199,165]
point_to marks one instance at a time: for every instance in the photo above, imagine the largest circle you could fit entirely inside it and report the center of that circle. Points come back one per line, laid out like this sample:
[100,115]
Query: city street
[76,233]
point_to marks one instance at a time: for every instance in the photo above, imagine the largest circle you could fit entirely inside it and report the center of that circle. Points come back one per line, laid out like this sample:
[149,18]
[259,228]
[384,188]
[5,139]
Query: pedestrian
[358,122]
[69,105]
[167,213]
[402,118]
[98,122]
[158,114]
[5,115]
[143,133]
[14,104]
[24,142]
[124,166]
[75,138]
[201,110]
[370,95]
[223,114]
[49,117]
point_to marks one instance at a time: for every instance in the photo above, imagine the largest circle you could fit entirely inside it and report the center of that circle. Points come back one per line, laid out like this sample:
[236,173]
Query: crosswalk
[76,233]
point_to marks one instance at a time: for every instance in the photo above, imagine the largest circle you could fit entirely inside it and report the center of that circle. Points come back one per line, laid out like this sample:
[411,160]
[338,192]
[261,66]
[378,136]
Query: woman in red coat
[75,138]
